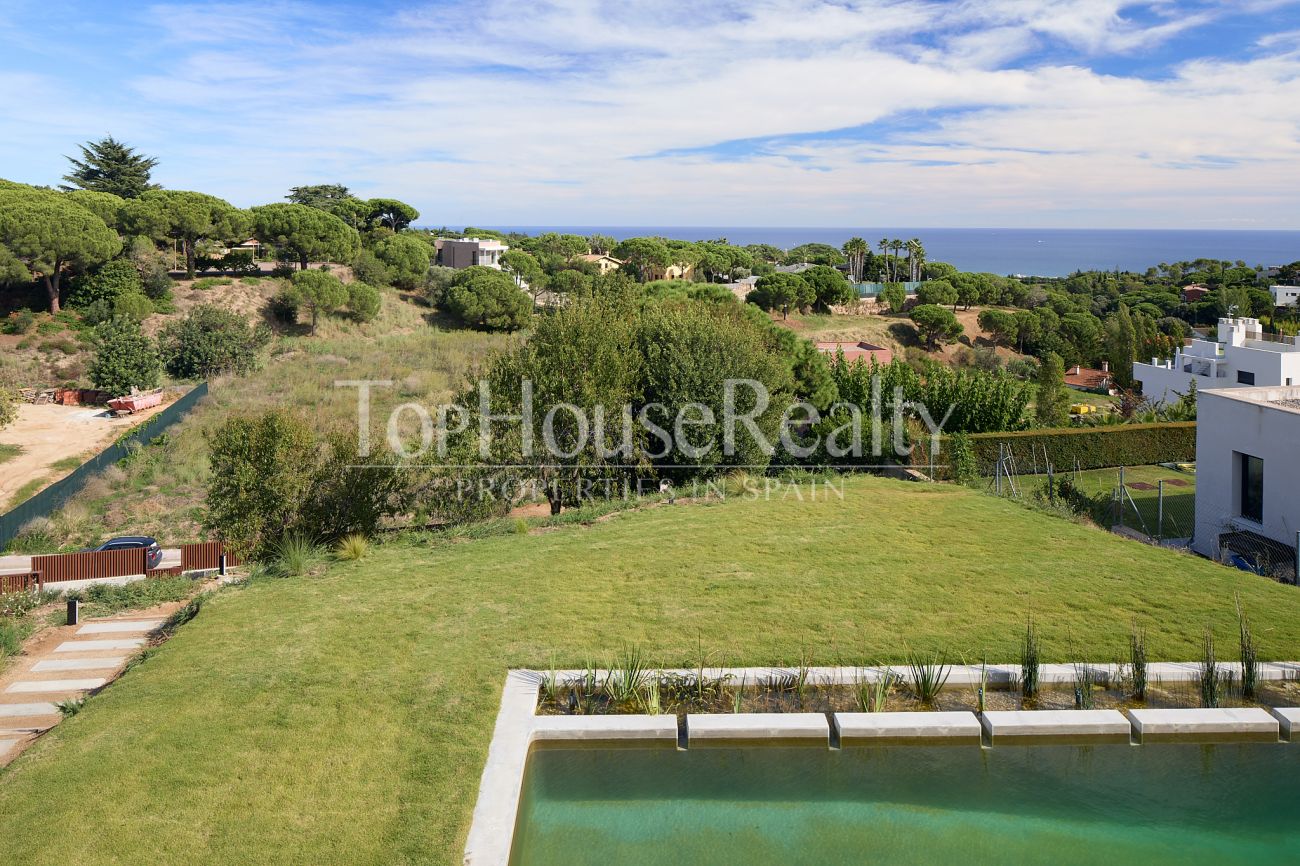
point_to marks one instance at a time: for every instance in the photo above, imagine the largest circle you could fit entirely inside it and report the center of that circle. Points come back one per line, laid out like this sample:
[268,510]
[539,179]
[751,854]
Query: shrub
[22,322]
[487,299]
[124,358]
[239,263]
[111,281]
[369,269]
[210,341]
[283,270]
[363,301]
[285,305]
[135,307]
[8,407]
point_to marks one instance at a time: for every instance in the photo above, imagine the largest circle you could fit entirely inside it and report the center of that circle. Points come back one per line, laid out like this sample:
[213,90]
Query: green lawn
[345,718]
[1143,510]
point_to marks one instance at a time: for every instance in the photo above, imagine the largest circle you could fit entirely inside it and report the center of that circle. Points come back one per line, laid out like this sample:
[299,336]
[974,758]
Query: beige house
[606,264]
[467,252]
[678,271]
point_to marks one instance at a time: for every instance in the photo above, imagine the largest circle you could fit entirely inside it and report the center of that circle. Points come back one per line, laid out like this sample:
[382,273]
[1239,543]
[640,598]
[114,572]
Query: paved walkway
[64,665]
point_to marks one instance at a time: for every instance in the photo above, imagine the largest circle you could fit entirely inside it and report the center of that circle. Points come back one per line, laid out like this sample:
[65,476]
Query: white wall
[1237,421]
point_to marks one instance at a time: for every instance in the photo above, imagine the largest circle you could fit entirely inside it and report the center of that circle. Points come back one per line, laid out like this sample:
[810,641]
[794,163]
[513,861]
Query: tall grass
[928,676]
[295,555]
[1211,679]
[352,547]
[1249,654]
[1085,680]
[627,676]
[1030,662]
[1137,661]
[873,694]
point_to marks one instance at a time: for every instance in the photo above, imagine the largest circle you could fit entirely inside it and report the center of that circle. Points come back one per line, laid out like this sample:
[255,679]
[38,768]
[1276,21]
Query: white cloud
[531,112]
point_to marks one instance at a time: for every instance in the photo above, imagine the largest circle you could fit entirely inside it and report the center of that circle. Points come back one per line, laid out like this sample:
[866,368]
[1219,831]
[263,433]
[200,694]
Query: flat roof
[1283,398]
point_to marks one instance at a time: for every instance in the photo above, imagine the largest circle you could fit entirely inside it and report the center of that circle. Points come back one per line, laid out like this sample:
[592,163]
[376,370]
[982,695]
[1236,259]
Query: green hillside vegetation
[345,718]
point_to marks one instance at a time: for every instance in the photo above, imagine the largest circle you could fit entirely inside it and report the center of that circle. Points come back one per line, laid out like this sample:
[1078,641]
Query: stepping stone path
[56,674]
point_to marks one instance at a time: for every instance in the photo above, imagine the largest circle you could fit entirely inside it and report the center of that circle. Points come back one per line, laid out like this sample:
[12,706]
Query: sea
[1026,252]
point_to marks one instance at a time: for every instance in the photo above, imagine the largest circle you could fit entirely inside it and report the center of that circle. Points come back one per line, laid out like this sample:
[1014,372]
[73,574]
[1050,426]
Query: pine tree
[1122,347]
[1052,402]
[110,166]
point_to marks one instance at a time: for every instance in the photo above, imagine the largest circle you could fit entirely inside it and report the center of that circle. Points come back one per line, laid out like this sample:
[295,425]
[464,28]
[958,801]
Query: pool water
[1111,804]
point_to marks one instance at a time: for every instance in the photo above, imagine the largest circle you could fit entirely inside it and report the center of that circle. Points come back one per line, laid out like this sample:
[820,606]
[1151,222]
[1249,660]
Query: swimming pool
[1111,804]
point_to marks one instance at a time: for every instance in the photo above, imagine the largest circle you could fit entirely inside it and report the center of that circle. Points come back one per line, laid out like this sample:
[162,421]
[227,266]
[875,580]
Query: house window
[1245,377]
[1252,488]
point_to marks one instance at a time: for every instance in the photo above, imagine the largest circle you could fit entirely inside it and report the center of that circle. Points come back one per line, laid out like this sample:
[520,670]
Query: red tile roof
[1090,380]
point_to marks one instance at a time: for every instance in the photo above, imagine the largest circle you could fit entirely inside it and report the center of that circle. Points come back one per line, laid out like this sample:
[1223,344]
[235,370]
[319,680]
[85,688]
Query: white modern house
[467,252]
[1243,356]
[1285,296]
[1248,477]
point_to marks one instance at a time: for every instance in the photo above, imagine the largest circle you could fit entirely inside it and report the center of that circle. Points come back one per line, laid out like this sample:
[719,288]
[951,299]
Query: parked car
[135,542]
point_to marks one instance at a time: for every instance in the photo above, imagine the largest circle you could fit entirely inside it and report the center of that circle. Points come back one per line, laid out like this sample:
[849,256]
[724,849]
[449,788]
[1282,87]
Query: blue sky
[1041,113]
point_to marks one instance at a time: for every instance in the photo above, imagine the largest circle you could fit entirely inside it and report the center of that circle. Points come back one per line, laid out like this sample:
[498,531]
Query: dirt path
[50,433]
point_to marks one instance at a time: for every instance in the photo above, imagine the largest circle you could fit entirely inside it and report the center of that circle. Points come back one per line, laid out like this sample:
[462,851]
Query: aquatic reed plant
[873,693]
[627,676]
[1137,661]
[1249,654]
[738,696]
[1085,679]
[1030,662]
[1211,679]
[928,676]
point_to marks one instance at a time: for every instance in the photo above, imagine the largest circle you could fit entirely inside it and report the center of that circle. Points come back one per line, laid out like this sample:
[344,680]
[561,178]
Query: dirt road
[51,433]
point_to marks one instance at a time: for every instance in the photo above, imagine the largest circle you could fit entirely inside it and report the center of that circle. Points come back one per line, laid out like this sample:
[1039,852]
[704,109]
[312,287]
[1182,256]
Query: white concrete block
[84,646]
[23,710]
[95,664]
[120,626]
[1289,719]
[45,686]
[1093,726]
[706,728]
[658,729]
[958,727]
[1218,725]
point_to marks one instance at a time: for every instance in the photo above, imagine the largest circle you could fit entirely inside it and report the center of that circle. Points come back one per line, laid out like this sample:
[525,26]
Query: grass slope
[345,718]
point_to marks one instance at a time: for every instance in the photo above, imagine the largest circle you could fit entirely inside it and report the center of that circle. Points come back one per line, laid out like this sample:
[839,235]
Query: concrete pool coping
[1234,724]
[518,727]
[725,729]
[955,728]
[1005,727]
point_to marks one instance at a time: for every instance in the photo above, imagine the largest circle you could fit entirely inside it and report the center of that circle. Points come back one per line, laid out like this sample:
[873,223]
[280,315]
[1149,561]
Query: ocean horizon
[1026,252]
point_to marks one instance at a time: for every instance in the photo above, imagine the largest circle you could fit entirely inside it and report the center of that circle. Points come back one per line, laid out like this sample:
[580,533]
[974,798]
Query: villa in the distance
[864,352]
[467,252]
[1086,379]
[1242,356]
[1285,296]
[604,263]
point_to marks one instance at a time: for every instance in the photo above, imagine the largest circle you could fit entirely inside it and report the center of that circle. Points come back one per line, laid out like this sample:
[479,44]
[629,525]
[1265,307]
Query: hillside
[345,718]
[897,333]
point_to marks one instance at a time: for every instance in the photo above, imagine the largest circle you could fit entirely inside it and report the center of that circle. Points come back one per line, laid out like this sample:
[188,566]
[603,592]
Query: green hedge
[1084,447]
[1091,447]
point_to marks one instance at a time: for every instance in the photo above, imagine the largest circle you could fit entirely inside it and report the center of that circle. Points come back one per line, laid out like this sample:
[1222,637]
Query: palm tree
[884,249]
[916,255]
[855,250]
[897,246]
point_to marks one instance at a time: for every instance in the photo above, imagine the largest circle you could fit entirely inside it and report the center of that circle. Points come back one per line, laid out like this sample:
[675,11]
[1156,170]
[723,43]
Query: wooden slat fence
[59,567]
[204,556]
[19,582]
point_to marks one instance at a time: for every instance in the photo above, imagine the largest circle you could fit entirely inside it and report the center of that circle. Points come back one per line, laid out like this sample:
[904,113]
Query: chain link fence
[1153,504]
